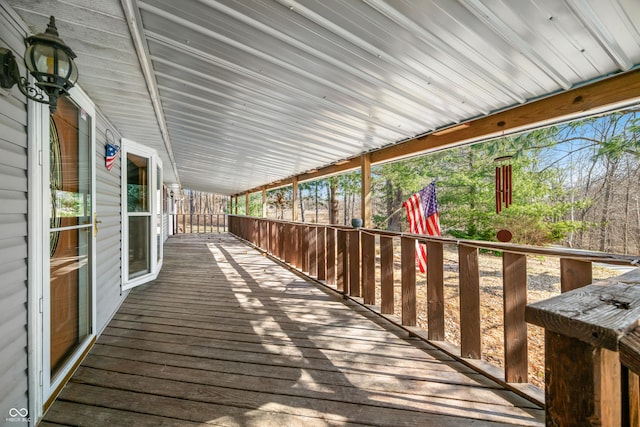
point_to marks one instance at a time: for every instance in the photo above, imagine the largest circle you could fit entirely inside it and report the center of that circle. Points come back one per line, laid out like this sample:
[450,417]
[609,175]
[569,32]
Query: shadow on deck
[226,336]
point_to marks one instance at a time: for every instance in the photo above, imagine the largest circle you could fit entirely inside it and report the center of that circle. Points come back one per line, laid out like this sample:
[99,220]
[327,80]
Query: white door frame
[41,387]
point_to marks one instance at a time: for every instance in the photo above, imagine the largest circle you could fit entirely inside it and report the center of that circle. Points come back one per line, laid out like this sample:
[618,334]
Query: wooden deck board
[225,336]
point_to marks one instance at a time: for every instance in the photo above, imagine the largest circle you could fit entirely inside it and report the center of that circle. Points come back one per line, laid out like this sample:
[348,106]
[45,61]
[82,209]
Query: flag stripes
[423,217]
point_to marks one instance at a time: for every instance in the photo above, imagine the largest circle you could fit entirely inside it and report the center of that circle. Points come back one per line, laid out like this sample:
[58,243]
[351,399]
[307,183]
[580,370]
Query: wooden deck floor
[226,336]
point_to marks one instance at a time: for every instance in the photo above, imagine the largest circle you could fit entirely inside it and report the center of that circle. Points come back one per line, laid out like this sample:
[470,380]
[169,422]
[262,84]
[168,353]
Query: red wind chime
[504,192]
[504,186]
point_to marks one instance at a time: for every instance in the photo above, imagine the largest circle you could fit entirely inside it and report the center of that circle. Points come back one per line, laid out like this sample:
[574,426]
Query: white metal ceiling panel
[253,91]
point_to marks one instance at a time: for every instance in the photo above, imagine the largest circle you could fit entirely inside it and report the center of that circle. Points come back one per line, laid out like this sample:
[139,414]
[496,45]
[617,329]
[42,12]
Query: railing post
[408,269]
[321,253]
[387,303]
[368,244]
[435,291]
[353,237]
[470,340]
[342,273]
[514,276]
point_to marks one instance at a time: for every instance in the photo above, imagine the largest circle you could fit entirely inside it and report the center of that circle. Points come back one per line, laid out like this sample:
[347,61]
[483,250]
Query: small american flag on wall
[111,155]
[423,216]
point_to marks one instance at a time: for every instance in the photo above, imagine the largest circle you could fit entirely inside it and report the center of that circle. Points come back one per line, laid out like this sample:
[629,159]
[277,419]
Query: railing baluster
[408,271]
[322,253]
[342,273]
[387,303]
[470,340]
[368,243]
[514,276]
[313,251]
[435,291]
[280,238]
[574,274]
[331,256]
[354,263]
[290,243]
[631,407]
[304,250]
[297,258]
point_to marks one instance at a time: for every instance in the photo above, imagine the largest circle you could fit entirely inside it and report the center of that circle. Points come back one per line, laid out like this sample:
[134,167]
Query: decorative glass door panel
[70,239]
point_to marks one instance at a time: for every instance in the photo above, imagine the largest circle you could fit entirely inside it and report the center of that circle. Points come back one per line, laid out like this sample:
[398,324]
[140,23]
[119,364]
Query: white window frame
[155,164]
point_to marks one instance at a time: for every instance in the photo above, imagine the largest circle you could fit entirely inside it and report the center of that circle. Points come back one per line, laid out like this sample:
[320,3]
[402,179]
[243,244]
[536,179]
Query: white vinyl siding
[109,238]
[13,236]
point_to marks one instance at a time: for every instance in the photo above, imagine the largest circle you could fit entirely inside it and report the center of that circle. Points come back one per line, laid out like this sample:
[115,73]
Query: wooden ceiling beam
[614,92]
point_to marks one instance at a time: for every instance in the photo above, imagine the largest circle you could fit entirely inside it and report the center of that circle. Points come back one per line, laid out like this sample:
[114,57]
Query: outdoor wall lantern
[50,62]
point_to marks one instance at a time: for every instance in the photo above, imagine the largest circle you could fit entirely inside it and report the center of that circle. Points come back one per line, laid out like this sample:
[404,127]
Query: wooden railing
[346,260]
[199,223]
[592,353]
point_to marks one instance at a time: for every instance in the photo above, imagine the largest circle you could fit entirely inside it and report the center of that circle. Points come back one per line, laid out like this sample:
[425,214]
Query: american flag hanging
[423,216]
[111,155]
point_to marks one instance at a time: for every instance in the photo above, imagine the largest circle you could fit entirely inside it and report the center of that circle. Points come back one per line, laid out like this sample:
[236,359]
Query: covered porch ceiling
[239,94]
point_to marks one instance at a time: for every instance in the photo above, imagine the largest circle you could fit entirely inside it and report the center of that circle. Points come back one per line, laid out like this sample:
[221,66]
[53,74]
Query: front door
[70,297]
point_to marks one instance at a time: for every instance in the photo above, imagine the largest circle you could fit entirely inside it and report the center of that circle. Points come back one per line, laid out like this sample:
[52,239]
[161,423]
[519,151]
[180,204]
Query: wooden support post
[435,291]
[514,276]
[313,251]
[368,244]
[294,201]
[470,340]
[582,383]
[342,271]
[408,271]
[365,188]
[304,247]
[354,263]
[574,274]
[322,253]
[387,302]
[246,204]
[331,256]
[264,202]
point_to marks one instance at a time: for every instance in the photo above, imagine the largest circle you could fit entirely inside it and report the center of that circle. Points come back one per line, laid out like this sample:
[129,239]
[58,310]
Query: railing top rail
[577,254]
[599,314]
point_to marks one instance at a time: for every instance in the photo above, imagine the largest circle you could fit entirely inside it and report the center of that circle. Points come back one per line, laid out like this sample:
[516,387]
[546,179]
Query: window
[142,214]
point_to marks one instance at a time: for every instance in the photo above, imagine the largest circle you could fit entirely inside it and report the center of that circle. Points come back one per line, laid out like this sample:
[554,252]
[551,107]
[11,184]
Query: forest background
[575,184]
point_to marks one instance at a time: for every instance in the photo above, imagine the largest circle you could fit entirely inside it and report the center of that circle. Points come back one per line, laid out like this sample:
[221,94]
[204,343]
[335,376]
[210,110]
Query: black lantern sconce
[50,62]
